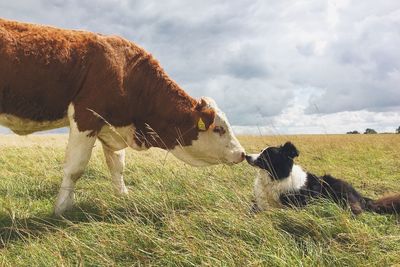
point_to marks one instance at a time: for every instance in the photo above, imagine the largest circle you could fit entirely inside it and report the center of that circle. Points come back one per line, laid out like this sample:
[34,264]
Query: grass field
[176,215]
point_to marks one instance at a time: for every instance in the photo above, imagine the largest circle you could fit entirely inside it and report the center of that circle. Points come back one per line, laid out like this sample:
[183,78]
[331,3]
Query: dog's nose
[249,159]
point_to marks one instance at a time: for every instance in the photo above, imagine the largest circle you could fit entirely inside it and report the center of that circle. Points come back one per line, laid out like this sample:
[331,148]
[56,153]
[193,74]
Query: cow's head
[215,143]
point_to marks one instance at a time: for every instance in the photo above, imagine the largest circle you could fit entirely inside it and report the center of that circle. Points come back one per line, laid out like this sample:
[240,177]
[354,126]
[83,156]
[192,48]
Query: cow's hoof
[65,201]
[59,210]
[122,191]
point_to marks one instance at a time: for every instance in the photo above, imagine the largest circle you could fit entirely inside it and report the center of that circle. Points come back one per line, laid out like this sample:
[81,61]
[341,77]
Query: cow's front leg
[116,162]
[79,149]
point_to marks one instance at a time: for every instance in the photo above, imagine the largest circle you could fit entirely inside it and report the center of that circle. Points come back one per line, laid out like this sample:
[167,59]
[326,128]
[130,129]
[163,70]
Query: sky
[274,67]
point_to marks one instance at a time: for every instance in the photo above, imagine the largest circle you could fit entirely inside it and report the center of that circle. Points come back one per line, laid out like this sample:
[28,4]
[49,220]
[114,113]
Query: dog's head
[277,161]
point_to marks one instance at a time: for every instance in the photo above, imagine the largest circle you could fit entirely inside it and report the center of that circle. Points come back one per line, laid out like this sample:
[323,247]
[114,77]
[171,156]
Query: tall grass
[176,215]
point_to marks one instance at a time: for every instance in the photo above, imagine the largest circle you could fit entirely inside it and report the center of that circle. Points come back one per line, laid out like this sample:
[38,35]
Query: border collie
[280,183]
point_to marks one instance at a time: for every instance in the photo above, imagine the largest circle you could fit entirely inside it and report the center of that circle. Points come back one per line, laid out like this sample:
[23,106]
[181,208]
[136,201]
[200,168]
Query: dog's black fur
[278,163]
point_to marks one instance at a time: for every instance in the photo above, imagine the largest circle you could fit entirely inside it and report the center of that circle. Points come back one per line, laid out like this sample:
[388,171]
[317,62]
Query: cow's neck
[166,112]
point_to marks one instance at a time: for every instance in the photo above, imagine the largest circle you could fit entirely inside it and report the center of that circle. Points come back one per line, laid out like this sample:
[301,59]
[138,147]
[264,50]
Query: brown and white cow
[108,88]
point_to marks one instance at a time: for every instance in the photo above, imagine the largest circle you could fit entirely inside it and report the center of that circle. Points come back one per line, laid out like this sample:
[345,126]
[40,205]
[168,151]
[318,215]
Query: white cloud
[294,120]
[287,63]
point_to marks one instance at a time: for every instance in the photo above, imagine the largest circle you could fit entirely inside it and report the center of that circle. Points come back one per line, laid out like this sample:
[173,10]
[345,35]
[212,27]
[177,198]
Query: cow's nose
[240,157]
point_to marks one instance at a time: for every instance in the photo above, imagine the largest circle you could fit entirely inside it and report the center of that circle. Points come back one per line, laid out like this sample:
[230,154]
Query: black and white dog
[280,182]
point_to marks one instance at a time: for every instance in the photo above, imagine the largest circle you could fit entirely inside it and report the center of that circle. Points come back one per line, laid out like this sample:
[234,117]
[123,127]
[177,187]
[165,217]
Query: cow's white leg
[116,162]
[79,149]
[77,156]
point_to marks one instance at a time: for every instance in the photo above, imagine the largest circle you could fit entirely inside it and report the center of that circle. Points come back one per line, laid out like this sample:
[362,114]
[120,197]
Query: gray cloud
[254,57]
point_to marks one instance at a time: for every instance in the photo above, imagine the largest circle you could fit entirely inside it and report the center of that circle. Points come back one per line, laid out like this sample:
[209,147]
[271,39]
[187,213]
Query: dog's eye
[220,130]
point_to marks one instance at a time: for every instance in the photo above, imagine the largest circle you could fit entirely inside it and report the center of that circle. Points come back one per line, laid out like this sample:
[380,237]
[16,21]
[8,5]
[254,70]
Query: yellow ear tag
[201,125]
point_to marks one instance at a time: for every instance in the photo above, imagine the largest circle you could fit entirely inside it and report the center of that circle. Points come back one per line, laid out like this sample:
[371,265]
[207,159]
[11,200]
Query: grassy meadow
[177,215]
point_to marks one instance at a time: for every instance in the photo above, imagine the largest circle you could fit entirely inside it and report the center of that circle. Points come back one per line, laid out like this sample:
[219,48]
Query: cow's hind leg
[116,162]
[79,149]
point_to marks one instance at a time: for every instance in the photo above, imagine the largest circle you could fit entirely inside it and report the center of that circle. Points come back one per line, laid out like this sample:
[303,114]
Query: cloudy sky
[275,67]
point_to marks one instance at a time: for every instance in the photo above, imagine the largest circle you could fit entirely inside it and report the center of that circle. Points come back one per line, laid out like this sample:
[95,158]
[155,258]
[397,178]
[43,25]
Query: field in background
[176,215]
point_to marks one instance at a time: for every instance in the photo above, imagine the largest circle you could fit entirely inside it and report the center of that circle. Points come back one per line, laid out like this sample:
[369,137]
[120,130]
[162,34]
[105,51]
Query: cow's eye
[220,130]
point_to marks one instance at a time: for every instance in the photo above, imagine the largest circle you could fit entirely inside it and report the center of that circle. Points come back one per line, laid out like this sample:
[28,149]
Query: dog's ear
[290,150]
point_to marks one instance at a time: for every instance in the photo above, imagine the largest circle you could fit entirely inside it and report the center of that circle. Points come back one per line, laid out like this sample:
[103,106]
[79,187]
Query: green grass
[176,215]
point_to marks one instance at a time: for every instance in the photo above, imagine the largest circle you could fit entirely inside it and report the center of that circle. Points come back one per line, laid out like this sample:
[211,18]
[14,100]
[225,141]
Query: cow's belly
[23,126]
[117,138]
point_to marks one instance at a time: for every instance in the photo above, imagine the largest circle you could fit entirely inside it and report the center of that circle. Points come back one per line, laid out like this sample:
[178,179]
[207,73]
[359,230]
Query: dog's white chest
[267,191]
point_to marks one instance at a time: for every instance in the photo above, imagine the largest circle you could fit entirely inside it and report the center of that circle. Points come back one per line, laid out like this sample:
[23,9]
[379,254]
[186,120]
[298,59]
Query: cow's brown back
[41,69]
[44,69]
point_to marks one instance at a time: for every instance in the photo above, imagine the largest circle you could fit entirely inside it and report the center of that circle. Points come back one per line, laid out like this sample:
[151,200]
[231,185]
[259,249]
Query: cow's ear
[201,104]
[206,119]
[204,116]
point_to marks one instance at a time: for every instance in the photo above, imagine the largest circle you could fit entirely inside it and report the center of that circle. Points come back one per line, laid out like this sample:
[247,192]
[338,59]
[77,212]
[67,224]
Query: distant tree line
[370,131]
[353,132]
